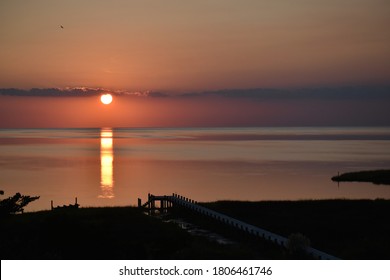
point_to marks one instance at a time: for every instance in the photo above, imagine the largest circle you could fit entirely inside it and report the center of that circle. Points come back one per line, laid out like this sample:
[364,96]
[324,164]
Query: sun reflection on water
[106,163]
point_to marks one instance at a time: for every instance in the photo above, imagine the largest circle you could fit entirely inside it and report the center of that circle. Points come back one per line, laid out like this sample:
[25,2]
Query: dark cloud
[75,92]
[264,94]
[55,92]
[157,94]
[256,94]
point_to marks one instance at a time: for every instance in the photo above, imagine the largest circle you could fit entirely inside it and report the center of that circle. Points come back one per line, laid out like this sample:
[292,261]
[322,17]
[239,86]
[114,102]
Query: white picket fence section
[168,201]
[256,231]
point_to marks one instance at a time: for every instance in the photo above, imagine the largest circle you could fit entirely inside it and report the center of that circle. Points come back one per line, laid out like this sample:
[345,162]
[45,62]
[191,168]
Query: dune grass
[348,229]
[102,233]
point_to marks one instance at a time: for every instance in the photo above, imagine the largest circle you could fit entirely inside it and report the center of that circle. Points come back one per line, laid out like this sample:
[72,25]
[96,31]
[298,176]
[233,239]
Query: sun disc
[106,98]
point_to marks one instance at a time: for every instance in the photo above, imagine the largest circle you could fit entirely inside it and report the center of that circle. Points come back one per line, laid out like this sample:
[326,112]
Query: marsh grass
[102,233]
[348,229]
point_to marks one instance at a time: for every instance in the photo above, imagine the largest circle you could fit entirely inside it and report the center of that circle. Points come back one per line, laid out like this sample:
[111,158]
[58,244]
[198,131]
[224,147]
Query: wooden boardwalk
[167,201]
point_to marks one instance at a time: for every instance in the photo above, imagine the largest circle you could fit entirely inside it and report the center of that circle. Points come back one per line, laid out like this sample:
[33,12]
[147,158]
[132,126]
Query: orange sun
[106,98]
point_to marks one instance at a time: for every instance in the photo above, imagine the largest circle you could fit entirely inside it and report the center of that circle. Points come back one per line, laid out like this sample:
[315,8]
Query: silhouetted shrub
[15,204]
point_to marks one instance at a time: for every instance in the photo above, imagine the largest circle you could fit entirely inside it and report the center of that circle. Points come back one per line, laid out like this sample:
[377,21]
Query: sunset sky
[195,63]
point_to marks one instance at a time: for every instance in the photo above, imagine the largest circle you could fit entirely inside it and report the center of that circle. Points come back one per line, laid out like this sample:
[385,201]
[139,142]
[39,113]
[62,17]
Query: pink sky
[193,45]
[178,47]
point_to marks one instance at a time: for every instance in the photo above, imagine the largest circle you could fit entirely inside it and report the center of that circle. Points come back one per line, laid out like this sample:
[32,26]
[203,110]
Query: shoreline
[378,177]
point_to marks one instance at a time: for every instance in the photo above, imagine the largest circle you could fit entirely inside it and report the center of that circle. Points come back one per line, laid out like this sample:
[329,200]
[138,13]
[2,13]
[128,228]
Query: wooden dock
[162,204]
[157,204]
[70,206]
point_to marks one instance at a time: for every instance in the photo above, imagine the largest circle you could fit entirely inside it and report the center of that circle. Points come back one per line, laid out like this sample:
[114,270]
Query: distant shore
[379,177]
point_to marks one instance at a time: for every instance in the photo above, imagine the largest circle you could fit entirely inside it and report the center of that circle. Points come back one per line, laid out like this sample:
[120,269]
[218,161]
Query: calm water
[105,167]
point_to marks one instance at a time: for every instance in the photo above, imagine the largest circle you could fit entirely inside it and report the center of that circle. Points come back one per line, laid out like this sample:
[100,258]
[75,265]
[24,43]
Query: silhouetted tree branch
[15,204]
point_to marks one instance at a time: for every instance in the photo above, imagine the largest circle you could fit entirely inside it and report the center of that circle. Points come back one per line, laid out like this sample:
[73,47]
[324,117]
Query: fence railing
[193,205]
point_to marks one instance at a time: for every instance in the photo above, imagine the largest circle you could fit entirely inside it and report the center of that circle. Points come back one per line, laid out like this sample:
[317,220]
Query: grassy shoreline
[349,229]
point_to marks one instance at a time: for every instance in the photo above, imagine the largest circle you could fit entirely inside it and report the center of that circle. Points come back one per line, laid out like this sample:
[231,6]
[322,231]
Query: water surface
[115,166]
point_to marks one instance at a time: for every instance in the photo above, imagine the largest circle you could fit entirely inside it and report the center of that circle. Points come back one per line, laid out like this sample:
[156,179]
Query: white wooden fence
[167,201]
